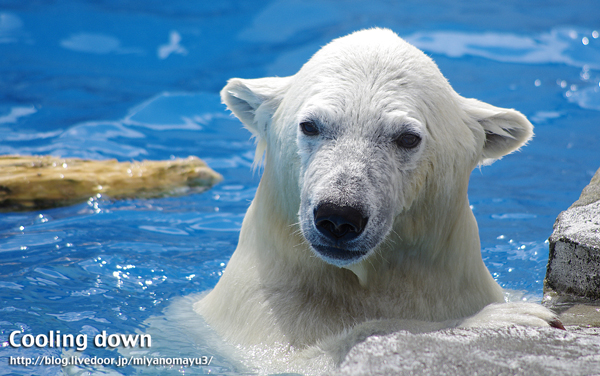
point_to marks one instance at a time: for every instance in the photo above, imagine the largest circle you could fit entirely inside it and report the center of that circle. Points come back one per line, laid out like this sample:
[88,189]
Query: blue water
[136,80]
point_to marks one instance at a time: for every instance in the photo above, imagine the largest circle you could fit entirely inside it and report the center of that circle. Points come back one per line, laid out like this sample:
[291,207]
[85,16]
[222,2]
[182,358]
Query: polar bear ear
[254,101]
[505,130]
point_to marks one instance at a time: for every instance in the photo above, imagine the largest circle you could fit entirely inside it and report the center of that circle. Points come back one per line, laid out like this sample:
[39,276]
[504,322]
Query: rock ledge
[574,259]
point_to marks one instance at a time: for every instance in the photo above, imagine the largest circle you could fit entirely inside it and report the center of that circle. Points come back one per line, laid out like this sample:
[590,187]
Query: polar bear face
[354,165]
[366,134]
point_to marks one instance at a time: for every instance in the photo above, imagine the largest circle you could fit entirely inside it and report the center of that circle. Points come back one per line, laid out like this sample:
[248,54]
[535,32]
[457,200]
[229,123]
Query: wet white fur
[424,269]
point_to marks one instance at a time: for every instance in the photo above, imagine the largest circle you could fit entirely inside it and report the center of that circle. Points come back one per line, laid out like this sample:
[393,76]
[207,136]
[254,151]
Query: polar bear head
[367,140]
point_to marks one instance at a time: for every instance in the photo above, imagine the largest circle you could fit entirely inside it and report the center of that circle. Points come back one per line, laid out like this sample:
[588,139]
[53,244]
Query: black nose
[339,222]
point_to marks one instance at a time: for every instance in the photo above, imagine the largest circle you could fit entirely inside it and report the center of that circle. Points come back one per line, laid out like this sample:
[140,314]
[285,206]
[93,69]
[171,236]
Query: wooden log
[41,182]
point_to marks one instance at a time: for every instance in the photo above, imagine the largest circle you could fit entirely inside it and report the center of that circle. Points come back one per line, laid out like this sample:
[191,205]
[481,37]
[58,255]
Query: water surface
[136,80]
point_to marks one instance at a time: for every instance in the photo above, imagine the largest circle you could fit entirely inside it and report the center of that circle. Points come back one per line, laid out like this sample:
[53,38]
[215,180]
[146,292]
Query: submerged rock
[574,261]
[40,182]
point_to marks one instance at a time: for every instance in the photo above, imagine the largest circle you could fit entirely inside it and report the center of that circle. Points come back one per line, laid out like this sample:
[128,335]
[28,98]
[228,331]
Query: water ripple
[559,45]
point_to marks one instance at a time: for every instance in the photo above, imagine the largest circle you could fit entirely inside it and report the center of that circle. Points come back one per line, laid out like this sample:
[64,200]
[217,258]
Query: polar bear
[361,220]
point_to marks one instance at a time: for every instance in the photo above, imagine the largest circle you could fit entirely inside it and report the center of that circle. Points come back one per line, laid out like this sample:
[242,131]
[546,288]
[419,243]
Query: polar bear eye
[408,140]
[309,128]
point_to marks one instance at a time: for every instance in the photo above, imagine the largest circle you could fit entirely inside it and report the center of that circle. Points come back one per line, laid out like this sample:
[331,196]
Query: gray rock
[591,193]
[510,351]
[574,260]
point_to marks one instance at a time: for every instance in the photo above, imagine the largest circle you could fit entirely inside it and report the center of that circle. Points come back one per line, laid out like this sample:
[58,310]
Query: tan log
[39,182]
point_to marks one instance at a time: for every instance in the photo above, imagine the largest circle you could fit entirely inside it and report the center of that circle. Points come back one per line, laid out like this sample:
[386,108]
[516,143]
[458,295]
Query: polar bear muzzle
[339,224]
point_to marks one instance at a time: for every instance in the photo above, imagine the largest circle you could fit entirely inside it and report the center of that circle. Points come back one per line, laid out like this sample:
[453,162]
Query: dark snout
[339,223]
